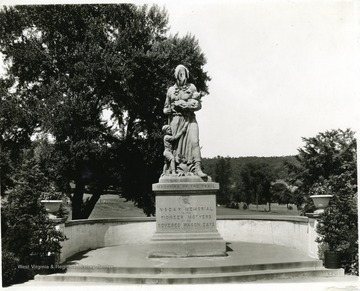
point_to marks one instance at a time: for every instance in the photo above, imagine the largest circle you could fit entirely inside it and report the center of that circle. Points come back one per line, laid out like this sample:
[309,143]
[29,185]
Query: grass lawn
[113,206]
[276,209]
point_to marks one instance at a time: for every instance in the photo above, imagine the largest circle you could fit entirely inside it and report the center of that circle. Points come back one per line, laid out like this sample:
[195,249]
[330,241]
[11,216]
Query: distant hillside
[277,163]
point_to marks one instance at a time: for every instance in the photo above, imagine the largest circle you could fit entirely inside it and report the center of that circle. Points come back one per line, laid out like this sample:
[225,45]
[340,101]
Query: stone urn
[321,202]
[51,206]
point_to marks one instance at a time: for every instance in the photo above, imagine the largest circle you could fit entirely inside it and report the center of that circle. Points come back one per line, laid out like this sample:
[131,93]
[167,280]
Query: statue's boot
[198,170]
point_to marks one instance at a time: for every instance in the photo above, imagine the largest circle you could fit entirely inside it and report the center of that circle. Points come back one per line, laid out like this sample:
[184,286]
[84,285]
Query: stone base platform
[178,245]
[246,262]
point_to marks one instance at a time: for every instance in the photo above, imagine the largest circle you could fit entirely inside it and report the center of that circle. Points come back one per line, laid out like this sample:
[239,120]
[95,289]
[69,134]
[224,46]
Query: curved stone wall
[288,231]
[278,230]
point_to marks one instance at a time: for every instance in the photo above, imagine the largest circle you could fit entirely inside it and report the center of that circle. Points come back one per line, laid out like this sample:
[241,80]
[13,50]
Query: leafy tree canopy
[67,65]
[328,154]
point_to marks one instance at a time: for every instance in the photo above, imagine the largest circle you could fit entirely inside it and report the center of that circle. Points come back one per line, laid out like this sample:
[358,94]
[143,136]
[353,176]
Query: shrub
[9,268]
[338,225]
[26,229]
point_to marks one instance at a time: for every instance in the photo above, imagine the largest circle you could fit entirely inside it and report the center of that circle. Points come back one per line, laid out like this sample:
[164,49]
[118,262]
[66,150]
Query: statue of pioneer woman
[182,100]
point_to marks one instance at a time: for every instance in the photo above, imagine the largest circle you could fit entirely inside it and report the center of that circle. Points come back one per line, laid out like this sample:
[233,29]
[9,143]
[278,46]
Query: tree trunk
[257,201]
[77,200]
[89,206]
[269,206]
[129,128]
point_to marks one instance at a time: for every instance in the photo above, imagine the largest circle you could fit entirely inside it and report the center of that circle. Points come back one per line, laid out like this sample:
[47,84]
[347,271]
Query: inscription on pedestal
[185,214]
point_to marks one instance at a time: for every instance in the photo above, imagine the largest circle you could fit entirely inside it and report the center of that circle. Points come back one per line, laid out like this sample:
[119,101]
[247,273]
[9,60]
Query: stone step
[227,277]
[311,264]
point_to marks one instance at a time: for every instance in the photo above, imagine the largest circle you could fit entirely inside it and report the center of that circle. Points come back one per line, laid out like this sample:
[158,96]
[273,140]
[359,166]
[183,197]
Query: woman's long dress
[180,107]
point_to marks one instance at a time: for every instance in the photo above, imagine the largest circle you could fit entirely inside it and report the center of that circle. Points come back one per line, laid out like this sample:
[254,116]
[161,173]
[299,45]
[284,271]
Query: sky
[281,70]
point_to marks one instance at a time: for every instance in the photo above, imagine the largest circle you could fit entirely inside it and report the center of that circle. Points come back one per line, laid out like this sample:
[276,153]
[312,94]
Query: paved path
[238,254]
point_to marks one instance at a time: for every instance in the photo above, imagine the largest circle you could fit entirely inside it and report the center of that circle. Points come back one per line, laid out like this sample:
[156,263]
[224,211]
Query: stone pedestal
[186,219]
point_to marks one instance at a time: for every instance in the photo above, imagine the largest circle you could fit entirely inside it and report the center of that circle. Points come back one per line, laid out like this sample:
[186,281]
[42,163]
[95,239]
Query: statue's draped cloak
[187,147]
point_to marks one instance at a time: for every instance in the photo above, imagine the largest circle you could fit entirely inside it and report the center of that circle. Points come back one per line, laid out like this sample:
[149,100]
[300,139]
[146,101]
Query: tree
[47,48]
[281,193]
[256,181]
[223,177]
[329,165]
[328,154]
[69,63]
